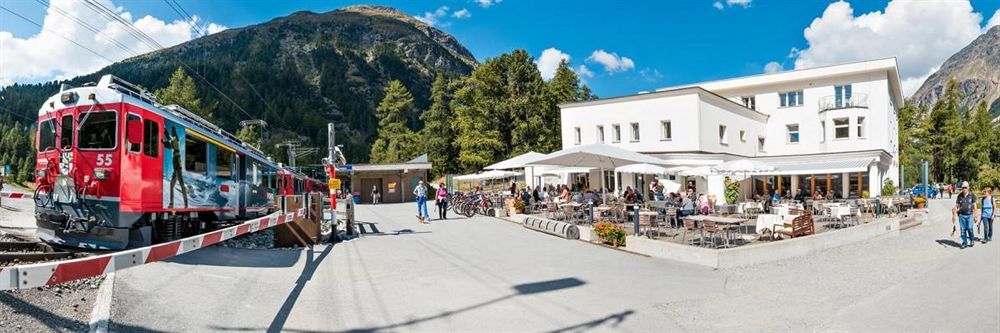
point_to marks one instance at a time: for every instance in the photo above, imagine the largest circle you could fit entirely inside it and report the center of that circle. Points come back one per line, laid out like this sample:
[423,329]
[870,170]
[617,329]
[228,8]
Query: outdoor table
[726,209]
[727,223]
[767,222]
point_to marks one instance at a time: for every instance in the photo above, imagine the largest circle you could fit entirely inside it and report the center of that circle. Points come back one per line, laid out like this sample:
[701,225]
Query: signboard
[5,170]
[334,184]
[392,187]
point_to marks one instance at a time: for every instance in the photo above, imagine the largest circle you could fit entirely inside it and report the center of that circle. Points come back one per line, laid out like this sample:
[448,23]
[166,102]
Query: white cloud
[584,72]
[920,34]
[434,18]
[773,67]
[47,56]
[611,61]
[651,75]
[742,3]
[549,62]
[487,3]
[994,21]
[461,14]
[731,3]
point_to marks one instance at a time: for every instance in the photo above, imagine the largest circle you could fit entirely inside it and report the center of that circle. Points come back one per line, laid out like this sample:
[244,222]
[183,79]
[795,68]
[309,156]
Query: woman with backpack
[987,214]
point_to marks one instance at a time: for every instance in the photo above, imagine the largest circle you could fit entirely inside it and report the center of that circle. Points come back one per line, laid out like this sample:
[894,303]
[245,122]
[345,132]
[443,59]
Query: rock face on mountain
[976,68]
[298,72]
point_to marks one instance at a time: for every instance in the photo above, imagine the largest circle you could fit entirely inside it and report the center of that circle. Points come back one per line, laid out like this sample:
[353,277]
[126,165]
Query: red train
[117,169]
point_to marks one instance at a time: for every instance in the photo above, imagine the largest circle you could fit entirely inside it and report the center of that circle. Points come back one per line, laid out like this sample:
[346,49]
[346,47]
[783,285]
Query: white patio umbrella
[643,168]
[676,170]
[497,174]
[516,162]
[702,171]
[598,156]
[558,171]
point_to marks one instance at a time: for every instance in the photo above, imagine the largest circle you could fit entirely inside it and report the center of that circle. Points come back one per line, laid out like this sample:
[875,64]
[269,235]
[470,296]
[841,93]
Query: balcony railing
[832,102]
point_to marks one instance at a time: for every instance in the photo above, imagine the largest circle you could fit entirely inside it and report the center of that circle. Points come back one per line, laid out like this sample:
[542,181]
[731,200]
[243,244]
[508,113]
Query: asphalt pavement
[483,274]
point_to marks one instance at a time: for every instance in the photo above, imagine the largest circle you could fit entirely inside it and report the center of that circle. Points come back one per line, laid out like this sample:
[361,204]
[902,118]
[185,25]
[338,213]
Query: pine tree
[183,92]
[396,142]
[944,123]
[438,134]
[478,137]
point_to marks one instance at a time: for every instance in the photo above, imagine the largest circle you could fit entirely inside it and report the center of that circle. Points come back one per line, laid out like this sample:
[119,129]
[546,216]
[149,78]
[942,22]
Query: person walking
[442,202]
[420,192]
[987,215]
[1,188]
[376,197]
[964,207]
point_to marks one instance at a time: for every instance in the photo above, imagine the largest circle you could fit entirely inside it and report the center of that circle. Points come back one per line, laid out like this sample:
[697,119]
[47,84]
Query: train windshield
[47,135]
[98,130]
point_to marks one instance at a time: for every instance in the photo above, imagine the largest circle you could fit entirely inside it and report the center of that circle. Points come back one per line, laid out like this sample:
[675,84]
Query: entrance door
[366,189]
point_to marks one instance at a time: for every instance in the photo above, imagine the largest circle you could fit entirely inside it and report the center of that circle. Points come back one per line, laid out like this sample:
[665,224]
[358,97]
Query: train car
[117,169]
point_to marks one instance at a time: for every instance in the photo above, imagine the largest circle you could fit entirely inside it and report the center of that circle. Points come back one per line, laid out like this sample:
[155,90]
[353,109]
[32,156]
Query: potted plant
[920,201]
[519,206]
[732,191]
[610,233]
[865,195]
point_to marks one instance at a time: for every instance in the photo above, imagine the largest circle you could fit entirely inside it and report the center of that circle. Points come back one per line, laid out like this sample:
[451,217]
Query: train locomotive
[117,169]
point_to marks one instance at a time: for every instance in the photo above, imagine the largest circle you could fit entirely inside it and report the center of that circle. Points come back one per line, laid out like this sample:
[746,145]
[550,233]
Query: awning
[819,167]
[516,162]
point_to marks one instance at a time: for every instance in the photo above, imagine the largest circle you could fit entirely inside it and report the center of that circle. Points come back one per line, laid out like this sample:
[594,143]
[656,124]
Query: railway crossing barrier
[16,195]
[56,272]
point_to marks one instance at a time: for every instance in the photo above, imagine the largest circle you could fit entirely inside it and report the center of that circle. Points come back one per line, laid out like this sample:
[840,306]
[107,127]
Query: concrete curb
[100,317]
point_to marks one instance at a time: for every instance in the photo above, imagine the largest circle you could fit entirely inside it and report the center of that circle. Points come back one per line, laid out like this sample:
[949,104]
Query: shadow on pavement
[278,324]
[948,242]
[52,320]
[613,320]
[230,257]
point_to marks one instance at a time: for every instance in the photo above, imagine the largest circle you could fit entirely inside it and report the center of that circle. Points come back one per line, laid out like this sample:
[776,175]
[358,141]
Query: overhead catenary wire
[56,34]
[88,27]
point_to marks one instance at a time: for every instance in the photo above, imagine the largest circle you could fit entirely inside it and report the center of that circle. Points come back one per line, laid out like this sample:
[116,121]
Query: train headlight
[101,173]
[40,173]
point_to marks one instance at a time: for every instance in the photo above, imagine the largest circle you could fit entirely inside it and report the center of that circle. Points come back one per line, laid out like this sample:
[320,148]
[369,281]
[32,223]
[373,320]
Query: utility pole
[256,122]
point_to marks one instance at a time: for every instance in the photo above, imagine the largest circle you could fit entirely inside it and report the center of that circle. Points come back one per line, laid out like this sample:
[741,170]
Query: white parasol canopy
[676,170]
[557,171]
[742,166]
[643,168]
[516,162]
[598,156]
[702,171]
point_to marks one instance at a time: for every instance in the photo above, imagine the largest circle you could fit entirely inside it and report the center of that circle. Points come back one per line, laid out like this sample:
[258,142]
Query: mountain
[297,72]
[976,68]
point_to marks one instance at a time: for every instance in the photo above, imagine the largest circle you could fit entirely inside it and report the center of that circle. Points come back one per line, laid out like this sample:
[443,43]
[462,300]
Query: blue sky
[666,42]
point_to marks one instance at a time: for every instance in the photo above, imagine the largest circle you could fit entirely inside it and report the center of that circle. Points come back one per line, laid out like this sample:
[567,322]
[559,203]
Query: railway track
[19,252]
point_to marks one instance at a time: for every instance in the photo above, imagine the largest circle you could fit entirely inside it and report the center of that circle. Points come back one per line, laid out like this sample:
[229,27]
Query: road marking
[100,317]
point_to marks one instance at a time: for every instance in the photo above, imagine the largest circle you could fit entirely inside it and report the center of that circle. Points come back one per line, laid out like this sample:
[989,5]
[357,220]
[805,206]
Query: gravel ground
[63,308]
[258,240]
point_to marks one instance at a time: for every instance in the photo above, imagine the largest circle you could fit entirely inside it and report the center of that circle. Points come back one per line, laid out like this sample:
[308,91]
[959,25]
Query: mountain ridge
[976,69]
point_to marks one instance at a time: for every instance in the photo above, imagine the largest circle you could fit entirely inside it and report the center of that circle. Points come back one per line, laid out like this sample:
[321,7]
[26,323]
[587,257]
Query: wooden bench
[802,225]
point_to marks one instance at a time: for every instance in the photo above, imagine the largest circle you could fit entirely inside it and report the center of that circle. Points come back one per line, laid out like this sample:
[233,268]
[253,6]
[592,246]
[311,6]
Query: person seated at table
[830,195]
[817,195]
[564,196]
[687,205]
[799,196]
[675,199]
[536,193]
[775,197]
[703,205]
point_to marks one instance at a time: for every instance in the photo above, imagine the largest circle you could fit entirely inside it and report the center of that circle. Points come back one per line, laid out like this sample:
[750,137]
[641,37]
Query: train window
[97,130]
[151,138]
[195,155]
[47,135]
[132,147]
[66,133]
[223,163]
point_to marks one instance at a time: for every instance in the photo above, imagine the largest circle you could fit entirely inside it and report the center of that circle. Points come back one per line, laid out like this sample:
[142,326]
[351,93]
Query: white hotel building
[826,128]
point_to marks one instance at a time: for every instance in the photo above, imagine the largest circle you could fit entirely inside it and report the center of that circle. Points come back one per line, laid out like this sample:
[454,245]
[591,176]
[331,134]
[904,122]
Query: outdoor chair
[709,227]
[689,227]
[551,211]
[670,216]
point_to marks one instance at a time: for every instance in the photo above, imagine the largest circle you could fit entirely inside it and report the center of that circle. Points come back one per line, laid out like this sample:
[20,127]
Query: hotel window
[760,144]
[842,95]
[743,136]
[635,132]
[861,127]
[576,135]
[791,98]
[616,133]
[822,129]
[723,135]
[600,133]
[750,102]
[793,133]
[841,128]
[665,130]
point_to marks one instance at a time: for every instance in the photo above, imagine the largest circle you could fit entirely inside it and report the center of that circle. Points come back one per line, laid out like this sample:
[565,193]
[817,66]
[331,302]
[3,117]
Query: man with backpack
[964,207]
